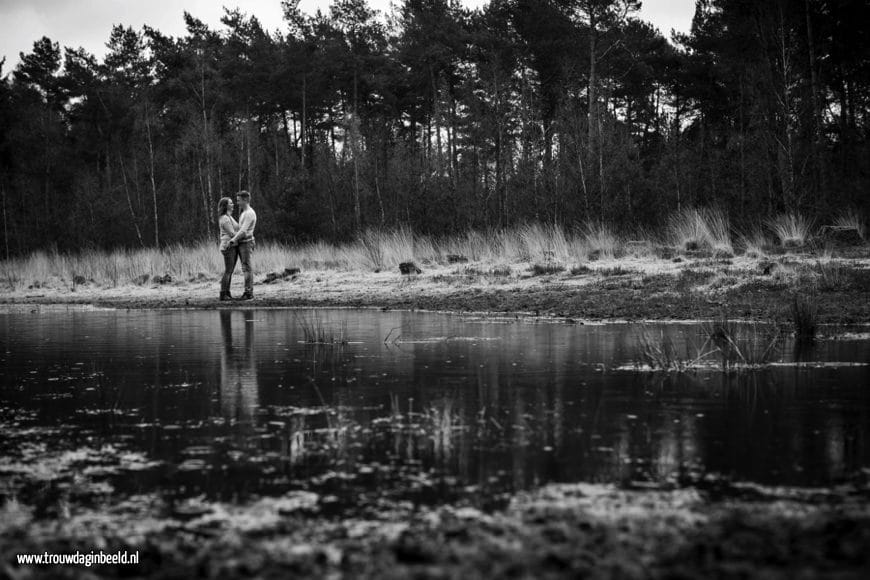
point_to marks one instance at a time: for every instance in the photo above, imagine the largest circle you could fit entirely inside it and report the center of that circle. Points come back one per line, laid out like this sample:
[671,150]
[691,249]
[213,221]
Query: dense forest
[438,118]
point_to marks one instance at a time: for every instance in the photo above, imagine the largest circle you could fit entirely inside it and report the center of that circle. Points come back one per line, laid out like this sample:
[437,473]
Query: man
[245,240]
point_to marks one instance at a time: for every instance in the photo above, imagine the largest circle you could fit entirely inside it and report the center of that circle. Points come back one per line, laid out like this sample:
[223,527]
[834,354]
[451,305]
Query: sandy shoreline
[625,289]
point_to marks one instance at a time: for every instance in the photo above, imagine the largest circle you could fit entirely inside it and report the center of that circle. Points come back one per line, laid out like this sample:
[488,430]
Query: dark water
[233,404]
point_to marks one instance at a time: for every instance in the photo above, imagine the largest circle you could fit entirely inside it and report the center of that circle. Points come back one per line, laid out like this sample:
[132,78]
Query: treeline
[438,118]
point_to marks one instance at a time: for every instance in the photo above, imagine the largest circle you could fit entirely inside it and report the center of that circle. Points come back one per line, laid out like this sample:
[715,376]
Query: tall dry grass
[851,218]
[792,230]
[701,229]
[754,243]
[137,266]
[547,245]
[601,242]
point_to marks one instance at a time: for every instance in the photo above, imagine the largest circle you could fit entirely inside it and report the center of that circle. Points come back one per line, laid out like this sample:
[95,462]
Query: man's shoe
[225,296]
[246,296]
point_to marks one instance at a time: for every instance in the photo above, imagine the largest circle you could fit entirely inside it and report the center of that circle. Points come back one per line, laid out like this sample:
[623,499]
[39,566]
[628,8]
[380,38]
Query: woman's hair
[223,205]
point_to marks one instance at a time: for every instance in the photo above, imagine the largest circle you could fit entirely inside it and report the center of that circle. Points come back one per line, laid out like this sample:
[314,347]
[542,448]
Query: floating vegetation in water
[35,462]
[291,411]
[744,345]
[441,420]
[661,354]
[437,339]
[728,345]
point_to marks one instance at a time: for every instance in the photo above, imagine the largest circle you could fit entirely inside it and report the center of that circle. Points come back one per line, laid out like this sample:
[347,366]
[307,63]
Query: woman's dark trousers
[231,256]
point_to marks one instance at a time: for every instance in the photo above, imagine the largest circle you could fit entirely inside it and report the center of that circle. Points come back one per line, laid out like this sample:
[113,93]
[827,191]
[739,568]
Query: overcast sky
[87,23]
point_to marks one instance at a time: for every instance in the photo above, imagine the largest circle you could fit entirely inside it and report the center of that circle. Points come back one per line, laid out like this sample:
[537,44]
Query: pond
[432,408]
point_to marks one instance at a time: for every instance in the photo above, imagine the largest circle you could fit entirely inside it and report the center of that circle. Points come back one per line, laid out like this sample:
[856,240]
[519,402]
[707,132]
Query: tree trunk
[355,151]
[453,168]
[248,124]
[787,144]
[436,114]
[499,184]
[380,200]
[591,92]
[742,151]
[817,111]
[130,202]
[304,117]
[153,183]
[5,226]
[206,138]
[205,202]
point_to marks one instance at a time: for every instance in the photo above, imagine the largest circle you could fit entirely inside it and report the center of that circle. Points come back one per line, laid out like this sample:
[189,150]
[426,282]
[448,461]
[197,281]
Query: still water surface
[233,404]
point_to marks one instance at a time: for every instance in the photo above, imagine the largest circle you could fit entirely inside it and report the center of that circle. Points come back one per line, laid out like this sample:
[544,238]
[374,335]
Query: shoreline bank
[625,289]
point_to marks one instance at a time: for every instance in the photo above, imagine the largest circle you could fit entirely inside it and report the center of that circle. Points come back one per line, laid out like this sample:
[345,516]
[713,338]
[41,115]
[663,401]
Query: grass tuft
[792,230]
[742,344]
[754,244]
[659,352]
[314,331]
[852,219]
[694,230]
[546,242]
[601,242]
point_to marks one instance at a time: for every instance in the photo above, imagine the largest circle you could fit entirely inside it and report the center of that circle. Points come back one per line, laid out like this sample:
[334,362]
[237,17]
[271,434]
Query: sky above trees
[86,24]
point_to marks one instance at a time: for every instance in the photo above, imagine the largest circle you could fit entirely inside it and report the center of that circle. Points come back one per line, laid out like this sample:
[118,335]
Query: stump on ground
[288,273]
[841,236]
[408,268]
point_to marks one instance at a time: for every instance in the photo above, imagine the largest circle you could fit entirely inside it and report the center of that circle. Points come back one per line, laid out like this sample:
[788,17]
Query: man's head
[244,199]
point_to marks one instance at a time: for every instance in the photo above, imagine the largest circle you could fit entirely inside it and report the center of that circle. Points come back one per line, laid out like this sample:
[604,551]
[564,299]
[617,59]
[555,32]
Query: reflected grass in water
[661,353]
[805,315]
[744,345]
[315,331]
[728,346]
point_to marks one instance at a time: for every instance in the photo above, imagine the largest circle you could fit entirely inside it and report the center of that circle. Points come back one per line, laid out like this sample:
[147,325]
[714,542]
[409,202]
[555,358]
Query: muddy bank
[624,289]
[576,530]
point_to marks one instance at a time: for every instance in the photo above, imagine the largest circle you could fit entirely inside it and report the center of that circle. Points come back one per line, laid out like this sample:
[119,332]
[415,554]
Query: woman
[228,228]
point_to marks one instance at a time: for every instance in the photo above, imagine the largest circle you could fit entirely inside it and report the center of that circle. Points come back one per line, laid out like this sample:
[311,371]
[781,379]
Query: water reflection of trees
[762,425]
[531,411]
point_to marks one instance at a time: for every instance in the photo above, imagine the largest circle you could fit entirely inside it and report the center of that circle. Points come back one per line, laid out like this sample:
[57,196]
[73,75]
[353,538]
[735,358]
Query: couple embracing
[237,242]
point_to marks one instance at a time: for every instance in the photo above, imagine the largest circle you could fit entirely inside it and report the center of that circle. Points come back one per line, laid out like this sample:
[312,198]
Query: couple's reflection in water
[239,396]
